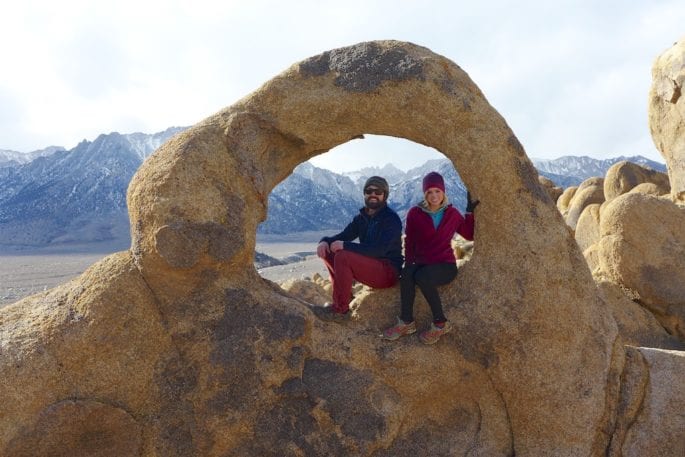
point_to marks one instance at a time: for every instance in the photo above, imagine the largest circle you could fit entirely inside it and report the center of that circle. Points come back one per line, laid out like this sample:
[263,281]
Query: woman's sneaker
[433,334]
[399,329]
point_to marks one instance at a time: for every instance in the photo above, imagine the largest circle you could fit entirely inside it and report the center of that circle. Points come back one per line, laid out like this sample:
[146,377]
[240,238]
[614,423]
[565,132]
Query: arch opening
[322,195]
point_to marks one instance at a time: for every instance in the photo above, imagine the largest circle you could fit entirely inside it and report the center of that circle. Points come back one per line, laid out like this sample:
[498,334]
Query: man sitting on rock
[375,260]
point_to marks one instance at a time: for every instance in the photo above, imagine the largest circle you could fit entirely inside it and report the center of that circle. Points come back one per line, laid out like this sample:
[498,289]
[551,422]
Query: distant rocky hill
[58,196]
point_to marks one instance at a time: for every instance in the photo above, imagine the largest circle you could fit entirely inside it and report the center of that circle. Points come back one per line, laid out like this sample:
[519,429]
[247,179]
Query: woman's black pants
[428,278]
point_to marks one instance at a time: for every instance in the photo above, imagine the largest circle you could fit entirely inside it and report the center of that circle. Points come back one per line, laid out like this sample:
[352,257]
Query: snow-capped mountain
[389,171]
[572,170]
[13,158]
[79,195]
[144,145]
[76,195]
[328,180]
[311,198]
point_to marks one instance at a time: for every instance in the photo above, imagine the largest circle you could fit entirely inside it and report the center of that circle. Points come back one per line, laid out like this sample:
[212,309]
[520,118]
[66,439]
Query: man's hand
[337,246]
[322,249]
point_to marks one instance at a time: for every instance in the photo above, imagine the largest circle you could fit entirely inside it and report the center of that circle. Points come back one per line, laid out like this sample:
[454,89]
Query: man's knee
[342,258]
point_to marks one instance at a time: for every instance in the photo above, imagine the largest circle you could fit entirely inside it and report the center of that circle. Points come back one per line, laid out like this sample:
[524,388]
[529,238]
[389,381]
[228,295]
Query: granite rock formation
[552,189]
[179,344]
[588,192]
[587,227]
[642,248]
[667,114]
[564,200]
[623,176]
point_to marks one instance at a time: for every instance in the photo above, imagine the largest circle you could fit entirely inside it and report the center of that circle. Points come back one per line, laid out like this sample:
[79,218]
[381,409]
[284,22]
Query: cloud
[376,150]
[570,77]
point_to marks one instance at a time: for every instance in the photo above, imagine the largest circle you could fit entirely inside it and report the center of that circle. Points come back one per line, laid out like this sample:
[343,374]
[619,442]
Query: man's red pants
[345,267]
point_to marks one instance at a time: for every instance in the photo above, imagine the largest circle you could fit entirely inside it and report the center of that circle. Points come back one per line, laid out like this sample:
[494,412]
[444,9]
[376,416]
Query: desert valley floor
[30,271]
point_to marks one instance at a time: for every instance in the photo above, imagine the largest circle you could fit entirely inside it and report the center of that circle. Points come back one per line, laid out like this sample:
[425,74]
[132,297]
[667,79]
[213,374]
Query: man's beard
[375,204]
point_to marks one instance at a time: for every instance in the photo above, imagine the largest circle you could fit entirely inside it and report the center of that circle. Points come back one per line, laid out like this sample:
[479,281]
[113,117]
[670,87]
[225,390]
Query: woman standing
[429,258]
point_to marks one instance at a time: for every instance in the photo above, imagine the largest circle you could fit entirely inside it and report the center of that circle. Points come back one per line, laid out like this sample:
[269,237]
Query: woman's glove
[470,204]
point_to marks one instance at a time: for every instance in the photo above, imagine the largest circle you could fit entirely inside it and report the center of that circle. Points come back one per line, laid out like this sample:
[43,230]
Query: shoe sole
[399,335]
[425,341]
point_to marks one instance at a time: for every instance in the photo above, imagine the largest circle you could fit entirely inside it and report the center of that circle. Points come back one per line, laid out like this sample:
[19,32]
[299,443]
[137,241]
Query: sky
[570,77]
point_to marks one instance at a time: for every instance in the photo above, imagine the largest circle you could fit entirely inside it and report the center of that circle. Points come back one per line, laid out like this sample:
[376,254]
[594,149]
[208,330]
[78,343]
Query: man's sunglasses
[374,191]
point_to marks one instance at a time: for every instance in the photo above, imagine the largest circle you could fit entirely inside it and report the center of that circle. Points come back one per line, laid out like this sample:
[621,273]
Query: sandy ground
[30,271]
[300,270]
[280,248]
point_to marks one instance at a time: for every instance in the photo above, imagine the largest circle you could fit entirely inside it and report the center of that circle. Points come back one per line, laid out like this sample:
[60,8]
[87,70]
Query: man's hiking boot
[433,334]
[399,329]
[328,313]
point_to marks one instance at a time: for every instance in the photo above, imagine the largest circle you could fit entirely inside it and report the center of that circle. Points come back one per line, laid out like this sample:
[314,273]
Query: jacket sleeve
[348,234]
[467,227]
[410,238]
[388,239]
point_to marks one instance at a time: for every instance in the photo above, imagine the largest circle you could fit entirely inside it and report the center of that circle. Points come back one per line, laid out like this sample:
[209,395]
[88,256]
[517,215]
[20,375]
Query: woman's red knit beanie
[433,179]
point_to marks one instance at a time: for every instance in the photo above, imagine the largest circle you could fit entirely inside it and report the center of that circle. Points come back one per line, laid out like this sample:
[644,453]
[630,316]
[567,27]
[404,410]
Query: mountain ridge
[56,195]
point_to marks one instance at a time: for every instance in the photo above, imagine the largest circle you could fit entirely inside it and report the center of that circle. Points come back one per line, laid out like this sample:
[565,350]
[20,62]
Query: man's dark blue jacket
[379,235]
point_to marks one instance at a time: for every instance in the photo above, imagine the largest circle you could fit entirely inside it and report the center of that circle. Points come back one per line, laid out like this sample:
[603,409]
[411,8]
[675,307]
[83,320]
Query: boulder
[565,198]
[623,176]
[667,114]
[589,191]
[652,401]
[188,348]
[637,326]
[649,189]
[307,290]
[591,255]
[463,249]
[587,228]
[642,249]
[325,283]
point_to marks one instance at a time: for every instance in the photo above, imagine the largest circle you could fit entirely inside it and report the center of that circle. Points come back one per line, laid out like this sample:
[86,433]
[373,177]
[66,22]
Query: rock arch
[526,262]
[535,357]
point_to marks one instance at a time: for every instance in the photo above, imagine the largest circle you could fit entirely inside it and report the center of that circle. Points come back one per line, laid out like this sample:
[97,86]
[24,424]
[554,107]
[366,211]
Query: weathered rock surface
[623,176]
[642,248]
[565,198]
[667,114]
[587,227]
[649,189]
[652,404]
[590,191]
[637,326]
[181,345]
[552,189]
[306,290]
[80,428]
